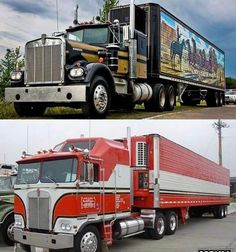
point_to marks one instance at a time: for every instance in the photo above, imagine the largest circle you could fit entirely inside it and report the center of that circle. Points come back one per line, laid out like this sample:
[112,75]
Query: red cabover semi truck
[92,189]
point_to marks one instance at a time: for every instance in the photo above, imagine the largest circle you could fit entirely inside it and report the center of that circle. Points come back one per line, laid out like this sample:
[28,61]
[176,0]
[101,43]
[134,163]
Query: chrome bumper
[49,241]
[55,94]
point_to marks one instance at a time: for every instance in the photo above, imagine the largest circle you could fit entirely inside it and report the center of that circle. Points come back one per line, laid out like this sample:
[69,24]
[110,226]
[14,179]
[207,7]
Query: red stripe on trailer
[175,200]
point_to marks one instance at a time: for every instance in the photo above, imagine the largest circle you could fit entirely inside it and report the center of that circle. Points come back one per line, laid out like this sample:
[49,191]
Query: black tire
[7,231]
[159,229]
[221,99]
[98,99]
[212,99]
[158,100]
[29,109]
[225,211]
[90,235]
[171,222]
[170,98]
[219,212]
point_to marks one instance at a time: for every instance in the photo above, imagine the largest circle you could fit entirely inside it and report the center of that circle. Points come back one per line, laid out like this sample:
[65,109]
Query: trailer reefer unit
[143,55]
[92,189]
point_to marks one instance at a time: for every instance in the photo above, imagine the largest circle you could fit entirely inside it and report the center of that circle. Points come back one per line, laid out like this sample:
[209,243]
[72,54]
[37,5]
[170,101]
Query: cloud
[41,8]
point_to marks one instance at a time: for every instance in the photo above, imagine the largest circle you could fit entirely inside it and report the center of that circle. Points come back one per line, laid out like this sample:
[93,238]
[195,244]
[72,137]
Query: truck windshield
[5,183]
[53,171]
[90,35]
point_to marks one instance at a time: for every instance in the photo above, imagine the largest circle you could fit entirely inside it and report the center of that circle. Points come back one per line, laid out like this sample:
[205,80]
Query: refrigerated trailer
[89,190]
[143,54]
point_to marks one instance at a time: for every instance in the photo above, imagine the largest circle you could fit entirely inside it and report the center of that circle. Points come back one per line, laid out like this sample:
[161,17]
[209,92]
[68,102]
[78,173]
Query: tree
[107,6]
[230,83]
[9,63]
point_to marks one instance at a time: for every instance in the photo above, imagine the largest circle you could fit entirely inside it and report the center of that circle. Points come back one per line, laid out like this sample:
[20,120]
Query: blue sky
[25,20]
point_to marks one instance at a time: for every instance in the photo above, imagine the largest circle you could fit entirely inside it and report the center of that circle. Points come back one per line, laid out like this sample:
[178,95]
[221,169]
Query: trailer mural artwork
[187,55]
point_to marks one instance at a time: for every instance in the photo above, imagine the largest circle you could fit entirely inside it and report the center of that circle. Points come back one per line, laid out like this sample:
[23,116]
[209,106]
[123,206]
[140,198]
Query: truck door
[156,171]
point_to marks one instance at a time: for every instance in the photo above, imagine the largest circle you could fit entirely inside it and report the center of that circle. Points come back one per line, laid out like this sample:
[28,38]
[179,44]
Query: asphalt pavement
[198,233]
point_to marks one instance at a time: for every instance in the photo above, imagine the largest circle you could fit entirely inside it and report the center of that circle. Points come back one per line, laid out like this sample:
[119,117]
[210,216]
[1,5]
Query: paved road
[225,112]
[206,232]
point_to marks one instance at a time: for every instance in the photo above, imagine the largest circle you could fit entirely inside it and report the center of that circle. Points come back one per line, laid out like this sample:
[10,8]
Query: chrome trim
[51,241]
[46,94]
[156,171]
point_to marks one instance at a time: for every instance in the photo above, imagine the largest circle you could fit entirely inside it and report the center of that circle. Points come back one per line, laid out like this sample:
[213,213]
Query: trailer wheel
[99,99]
[158,100]
[225,211]
[88,240]
[171,222]
[159,229]
[7,231]
[170,98]
[219,212]
[212,99]
[221,100]
[29,109]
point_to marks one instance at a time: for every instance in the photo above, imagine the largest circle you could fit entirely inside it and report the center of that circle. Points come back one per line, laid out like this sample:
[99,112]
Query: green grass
[232,200]
[7,112]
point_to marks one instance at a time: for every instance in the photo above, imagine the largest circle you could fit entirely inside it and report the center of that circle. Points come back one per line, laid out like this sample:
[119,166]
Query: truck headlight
[76,72]
[19,221]
[16,75]
[66,227]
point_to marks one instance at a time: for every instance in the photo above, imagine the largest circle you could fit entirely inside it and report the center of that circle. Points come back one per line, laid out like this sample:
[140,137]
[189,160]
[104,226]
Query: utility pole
[218,127]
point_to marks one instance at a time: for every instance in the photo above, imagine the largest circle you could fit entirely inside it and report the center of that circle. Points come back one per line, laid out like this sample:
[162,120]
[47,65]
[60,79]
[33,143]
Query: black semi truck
[142,55]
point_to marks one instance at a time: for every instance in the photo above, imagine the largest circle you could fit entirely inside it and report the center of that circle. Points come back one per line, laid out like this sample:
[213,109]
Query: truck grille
[39,210]
[44,62]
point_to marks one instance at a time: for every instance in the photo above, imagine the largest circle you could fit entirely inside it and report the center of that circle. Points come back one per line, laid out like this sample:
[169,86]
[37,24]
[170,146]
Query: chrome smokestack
[132,19]
[132,46]
[75,22]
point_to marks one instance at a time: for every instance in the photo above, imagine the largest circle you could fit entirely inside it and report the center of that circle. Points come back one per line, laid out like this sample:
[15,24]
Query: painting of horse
[176,49]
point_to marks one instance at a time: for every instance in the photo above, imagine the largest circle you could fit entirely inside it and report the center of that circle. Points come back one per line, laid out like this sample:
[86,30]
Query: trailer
[143,54]
[91,190]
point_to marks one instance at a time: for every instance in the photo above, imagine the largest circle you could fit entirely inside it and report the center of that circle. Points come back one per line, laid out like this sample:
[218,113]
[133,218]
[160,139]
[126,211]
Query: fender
[101,70]
[5,211]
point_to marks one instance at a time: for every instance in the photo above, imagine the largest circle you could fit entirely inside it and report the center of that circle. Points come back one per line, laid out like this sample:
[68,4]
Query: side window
[89,172]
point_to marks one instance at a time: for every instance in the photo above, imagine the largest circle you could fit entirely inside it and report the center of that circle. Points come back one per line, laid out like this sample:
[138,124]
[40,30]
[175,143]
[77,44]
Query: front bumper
[57,94]
[50,241]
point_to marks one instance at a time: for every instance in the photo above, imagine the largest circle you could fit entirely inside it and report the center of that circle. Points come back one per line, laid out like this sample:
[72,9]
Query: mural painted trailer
[178,56]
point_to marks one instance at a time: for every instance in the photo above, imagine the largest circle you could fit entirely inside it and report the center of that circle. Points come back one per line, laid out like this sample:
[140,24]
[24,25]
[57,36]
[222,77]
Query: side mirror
[90,169]
[126,33]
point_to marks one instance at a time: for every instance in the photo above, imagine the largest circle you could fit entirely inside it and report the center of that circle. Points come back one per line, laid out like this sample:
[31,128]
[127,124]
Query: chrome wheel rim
[160,226]
[100,98]
[10,231]
[89,242]
[172,223]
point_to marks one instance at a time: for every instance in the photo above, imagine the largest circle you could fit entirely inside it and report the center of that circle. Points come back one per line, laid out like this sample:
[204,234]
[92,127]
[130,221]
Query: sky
[26,20]
[199,136]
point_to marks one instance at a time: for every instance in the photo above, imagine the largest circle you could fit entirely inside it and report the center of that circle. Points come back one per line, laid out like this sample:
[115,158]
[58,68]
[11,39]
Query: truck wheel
[219,212]
[88,240]
[225,211]
[7,231]
[171,222]
[221,100]
[158,100]
[170,98]
[159,229]
[212,99]
[29,109]
[99,99]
